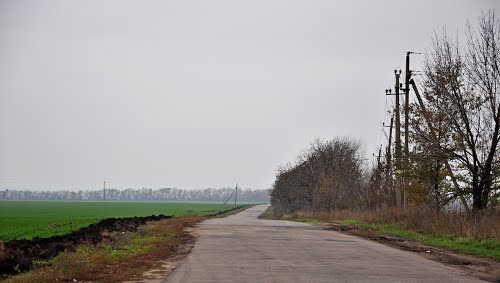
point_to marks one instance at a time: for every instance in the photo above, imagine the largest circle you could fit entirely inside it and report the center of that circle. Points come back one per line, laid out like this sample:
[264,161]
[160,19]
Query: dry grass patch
[483,225]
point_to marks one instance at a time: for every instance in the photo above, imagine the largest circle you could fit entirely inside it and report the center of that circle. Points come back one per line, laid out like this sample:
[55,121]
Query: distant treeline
[164,194]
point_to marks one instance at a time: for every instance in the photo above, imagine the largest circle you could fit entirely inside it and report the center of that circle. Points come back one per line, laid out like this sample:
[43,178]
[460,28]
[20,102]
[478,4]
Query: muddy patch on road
[483,268]
[18,256]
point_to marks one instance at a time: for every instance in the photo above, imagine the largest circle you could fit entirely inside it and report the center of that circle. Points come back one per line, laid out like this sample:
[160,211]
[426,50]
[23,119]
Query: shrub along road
[243,248]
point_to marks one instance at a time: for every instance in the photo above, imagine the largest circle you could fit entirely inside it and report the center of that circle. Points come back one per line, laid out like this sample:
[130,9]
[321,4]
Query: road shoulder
[483,268]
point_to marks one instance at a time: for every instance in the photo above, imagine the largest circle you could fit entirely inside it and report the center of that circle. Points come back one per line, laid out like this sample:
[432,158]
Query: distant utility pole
[104,191]
[236,195]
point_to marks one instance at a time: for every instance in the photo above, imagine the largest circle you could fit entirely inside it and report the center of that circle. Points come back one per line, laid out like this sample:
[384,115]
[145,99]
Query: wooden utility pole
[388,152]
[407,114]
[388,159]
[398,140]
[104,191]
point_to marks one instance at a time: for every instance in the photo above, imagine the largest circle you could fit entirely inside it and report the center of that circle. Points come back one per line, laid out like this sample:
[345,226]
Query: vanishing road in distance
[243,248]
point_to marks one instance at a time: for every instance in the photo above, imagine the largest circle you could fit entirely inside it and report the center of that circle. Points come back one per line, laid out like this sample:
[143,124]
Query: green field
[28,219]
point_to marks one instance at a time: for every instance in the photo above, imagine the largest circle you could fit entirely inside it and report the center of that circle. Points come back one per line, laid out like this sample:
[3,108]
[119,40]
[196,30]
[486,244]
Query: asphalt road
[243,248]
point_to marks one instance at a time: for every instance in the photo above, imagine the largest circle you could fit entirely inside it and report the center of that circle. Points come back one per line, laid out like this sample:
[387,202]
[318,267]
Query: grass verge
[486,247]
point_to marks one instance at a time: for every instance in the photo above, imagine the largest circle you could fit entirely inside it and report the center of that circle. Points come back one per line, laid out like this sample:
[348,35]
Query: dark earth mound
[18,255]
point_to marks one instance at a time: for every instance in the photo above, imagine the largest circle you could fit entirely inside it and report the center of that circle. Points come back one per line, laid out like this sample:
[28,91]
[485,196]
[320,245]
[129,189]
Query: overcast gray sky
[197,94]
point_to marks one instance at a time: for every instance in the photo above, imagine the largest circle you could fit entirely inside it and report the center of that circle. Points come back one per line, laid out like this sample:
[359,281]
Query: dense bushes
[329,175]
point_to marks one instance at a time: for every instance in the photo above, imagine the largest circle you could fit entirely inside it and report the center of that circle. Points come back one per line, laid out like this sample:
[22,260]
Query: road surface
[243,248]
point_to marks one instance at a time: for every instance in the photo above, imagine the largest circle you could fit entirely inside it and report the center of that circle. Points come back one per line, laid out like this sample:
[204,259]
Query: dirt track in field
[243,248]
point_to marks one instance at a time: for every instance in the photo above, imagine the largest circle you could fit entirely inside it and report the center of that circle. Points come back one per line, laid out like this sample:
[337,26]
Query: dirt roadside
[166,266]
[17,256]
[483,268]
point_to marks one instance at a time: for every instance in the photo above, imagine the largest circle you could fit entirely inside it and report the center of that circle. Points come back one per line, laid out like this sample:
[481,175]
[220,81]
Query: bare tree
[462,92]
